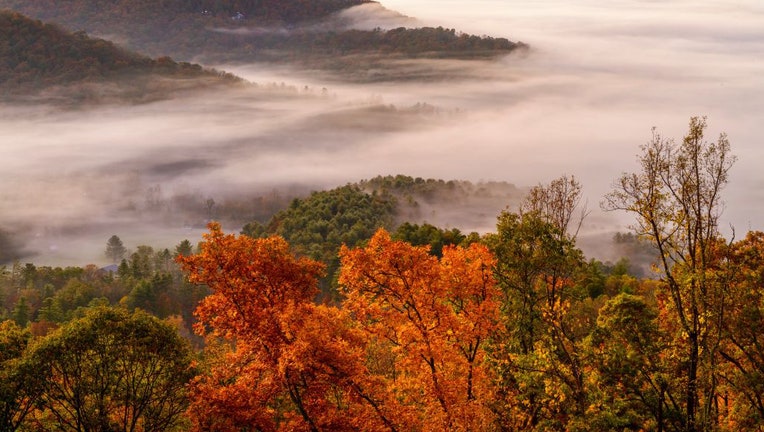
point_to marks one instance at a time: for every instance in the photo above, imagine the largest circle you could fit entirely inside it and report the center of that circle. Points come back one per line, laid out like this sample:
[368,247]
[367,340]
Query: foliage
[418,189]
[430,235]
[65,303]
[184,248]
[539,361]
[676,198]
[639,252]
[437,317]
[742,375]
[19,384]
[287,363]
[111,370]
[629,382]
[318,225]
[427,42]
[421,200]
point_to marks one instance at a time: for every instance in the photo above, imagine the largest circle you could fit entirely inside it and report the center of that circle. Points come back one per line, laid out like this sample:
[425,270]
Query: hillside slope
[167,11]
[301,31]
[38,56]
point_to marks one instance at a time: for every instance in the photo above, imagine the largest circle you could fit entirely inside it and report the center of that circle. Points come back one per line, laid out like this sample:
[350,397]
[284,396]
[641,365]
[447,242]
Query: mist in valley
[579,102]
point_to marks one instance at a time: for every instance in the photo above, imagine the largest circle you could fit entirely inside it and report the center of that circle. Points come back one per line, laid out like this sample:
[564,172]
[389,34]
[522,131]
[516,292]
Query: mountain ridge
[305,32]
[38,56]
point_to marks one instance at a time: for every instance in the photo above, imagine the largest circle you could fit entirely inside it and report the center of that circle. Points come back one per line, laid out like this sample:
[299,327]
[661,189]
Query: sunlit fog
[597,77]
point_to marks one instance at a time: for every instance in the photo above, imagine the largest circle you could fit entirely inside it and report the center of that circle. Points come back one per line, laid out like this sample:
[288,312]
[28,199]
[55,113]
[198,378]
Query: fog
[598,77]
[601,74]
[368,16]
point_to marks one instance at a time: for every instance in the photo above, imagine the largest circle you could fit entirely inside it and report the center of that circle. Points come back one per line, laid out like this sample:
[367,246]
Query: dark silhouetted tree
[115,250]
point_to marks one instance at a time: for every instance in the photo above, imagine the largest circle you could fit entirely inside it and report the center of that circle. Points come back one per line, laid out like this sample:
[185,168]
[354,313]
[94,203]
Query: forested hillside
[80,12]
[256,30]
[318,225]
[38,56]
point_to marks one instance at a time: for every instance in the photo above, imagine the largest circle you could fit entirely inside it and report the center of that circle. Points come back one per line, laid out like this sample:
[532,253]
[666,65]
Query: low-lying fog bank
[580,102]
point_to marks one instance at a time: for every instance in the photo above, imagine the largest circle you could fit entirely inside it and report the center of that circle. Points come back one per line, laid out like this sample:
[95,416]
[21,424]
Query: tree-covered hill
[319,224]
[37,56]
[214,11]
[293,31]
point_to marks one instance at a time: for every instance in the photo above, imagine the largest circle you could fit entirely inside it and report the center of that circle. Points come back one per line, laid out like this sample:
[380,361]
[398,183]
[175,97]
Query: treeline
[85,348]
[37,56]
[318,225]
[431,41]
[413,190]
[43,298]
[425,42]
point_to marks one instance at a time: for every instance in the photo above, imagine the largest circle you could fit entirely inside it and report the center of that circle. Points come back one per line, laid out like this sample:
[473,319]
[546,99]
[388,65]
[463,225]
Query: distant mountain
[37,57]
[302,31]
[93,12]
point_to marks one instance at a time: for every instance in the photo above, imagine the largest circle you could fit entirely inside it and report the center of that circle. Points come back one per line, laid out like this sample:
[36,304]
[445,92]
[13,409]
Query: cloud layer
[597,78]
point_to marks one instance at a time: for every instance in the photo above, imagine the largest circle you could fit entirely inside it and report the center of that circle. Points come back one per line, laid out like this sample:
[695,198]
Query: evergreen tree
[115,250]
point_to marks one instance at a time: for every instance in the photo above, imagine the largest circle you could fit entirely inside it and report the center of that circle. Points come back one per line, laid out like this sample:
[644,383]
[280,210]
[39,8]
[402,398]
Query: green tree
[430,235]
[51,311]
[123,270]
[317,226]
[153,296]
[142,262]
[18,384]
[539,362]
[676,198]
[629,384]
[115,250]
[163,261]
[112,371]
[184,248]
[65,303]
[21,313]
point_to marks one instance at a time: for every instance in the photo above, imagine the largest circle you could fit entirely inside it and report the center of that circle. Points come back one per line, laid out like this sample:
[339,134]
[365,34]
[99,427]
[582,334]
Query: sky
[580,102]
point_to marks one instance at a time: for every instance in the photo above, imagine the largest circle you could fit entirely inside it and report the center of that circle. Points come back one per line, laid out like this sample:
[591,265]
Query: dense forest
[267,11]
[39,57]
[319,224]
[419,328]
[256,30]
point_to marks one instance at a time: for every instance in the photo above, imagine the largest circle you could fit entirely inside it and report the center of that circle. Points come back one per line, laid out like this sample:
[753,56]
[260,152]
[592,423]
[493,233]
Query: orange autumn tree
[426,323]
[406,350]
[280,362]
